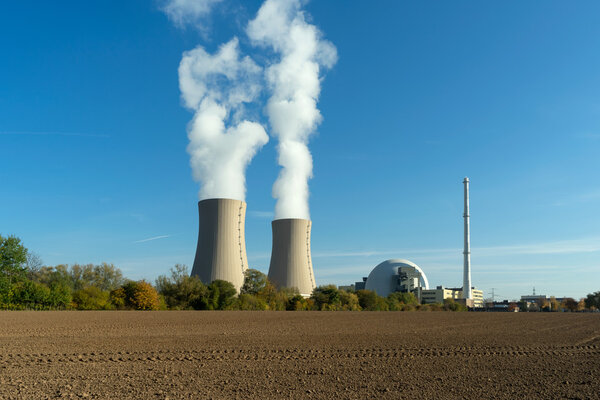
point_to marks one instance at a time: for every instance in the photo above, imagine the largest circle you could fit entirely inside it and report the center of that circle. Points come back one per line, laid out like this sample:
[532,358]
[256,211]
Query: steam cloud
[216,87]
[292,109]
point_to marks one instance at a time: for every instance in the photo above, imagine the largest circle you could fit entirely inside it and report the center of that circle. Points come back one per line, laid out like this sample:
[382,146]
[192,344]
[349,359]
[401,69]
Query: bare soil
[298,355]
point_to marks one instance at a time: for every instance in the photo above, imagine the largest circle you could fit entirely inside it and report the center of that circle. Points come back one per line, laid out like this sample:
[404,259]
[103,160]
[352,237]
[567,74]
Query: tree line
[26,284]
[552,304]
[181,291]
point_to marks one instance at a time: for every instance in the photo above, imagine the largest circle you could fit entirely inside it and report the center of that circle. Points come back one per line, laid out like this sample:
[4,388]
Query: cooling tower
[221,251]
[291,265]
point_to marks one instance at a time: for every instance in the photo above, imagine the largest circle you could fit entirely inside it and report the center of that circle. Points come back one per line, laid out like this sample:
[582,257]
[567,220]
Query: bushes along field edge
[25,284]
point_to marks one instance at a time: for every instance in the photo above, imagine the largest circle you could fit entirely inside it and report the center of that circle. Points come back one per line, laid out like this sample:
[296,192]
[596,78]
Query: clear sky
[93,158]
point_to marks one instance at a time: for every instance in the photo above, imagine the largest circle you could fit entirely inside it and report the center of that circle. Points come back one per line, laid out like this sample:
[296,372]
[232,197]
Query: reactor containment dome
[396,276]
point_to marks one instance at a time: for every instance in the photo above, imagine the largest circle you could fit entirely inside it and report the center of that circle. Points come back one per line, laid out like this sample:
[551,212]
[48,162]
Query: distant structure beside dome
[404,276]
[395,275]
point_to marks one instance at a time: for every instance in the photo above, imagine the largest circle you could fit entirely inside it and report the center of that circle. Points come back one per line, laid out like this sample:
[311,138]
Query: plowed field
[299,355]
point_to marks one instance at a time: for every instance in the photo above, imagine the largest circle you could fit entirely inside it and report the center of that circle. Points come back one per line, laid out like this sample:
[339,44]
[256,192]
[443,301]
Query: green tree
[326,297]
[299,303]
[523,305]
[104,276]
[117,298]
[398,301]
[31,294]
[182,291]
[349,301]
[107,277]
[592,301]
[49,276]
[451,305]
[275,300]
[404,298]
[60,296]
[278,299]
[367,299]
[570,304]
[370,301]
[82,276]
[254,282]
[91,298]
[13,257]
[221,295]
[251,302]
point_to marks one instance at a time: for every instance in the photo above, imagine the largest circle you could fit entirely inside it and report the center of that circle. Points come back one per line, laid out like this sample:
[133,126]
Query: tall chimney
[291,264]
[467,251]
[221,250]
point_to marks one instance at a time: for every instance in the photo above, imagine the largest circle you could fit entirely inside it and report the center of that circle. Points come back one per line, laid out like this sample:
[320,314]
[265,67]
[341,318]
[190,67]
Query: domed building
[395,275]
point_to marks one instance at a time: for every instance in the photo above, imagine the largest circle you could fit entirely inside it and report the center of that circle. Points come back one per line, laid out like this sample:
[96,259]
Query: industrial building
[440,293]
[405,276]
[291,263]
[539,299]
[221,249]
[395,276]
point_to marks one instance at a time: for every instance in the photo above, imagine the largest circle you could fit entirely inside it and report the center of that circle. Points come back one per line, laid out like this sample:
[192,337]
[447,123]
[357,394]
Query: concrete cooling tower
[221,251]
[291,264]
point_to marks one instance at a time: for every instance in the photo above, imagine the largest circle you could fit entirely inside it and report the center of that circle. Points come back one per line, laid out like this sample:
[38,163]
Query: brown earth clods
[298,355]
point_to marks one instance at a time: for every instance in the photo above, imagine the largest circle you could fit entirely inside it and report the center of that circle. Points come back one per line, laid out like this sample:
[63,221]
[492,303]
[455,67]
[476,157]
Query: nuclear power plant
[221,254]
[407,277]
[221,249]
[291,264]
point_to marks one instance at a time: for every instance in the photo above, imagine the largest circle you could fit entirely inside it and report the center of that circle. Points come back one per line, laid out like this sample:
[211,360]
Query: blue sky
[93,139]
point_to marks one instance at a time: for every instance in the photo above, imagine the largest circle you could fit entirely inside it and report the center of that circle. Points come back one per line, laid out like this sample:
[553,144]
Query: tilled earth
[298,355]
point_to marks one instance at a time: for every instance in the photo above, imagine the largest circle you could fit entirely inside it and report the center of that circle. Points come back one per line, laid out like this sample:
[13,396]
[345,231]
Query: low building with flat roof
[440,293]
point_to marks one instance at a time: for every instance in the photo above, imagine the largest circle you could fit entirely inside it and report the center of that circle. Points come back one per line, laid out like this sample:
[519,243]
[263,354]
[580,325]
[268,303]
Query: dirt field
[299,355]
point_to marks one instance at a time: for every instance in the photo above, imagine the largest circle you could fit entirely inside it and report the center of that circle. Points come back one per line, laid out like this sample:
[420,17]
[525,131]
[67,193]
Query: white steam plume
[216,87]
[295,85]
